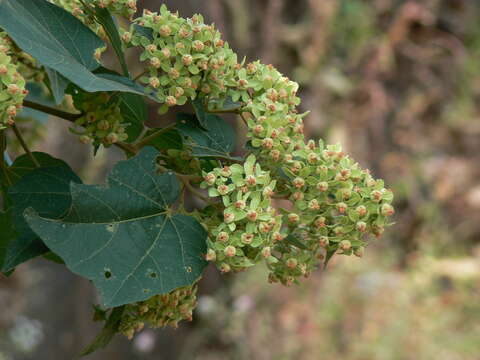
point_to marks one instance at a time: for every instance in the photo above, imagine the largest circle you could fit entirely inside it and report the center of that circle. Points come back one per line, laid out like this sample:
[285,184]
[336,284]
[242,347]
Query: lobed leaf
[123,236]
[45,189]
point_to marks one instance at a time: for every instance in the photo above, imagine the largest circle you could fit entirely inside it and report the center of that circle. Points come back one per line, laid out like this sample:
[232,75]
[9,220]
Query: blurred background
[397,82]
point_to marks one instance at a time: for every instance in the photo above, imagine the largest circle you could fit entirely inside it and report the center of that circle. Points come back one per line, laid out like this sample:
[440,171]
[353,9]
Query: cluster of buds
[185,57]
[159,311]
[249,227]
[337,208]
[101,120]
[125,8]
[12,83]
[274,126]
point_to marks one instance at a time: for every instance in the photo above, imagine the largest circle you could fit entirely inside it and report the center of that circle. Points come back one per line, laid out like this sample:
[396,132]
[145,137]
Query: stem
[194,191]
[48,110]
[139,75]
[126,147]
[222,111]
[243,118]
[24,145]
[143,142]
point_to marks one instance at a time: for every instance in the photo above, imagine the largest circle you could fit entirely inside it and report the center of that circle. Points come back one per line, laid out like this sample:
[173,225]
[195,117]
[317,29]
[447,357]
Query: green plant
[133,238]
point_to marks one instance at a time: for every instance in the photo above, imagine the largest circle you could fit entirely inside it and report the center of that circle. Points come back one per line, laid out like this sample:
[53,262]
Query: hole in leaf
[107,274]
[153,275]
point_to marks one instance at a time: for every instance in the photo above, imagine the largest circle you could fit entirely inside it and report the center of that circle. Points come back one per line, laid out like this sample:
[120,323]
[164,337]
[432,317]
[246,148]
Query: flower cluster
[185,58]
[101,119]
[159,310]
[337,206]
[275,128]
[12,83]
[250,226]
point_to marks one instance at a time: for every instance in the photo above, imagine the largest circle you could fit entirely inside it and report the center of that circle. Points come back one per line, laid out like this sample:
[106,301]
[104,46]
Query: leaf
[144,31]
[123,236]
[45,189]
[293,240]
[225,105]
[217,139]
[134,111]
[24,164]
[103,16]
[110,329]
[7,233]
[57,40]
[168,140]
[58,84]
[202,116]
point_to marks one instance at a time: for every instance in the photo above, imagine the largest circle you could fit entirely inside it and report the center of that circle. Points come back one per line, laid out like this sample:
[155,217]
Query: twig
[194,191]
[24,145]
[126,147]
[48,110]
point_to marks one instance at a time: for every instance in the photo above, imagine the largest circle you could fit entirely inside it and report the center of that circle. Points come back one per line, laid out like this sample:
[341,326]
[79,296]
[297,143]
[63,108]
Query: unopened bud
[323,241]
[222,236]
[361,210]
[154,82]
[298,182]
[345,245]
[293,218]
[171,101]
[230,251]
[211,255]
[291,263]
[252,215]
[247,238]
[387,210]
[165,30]
[228,218]
[359,251]
[342,207]
[361,226]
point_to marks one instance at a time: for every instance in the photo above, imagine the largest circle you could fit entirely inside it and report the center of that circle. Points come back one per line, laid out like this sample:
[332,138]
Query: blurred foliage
[359,310]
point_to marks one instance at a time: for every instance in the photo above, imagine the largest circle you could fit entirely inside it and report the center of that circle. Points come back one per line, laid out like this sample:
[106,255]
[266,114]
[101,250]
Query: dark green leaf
[293,240]
[103,16]
[7,233]
[58,84]
[215,139]
[134,111]
[24,164]
[146,32]
[109,330]
[329,256]
[123,236]
[57,40]
[168,140]
[225,105]
[45,189]
[202,116]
